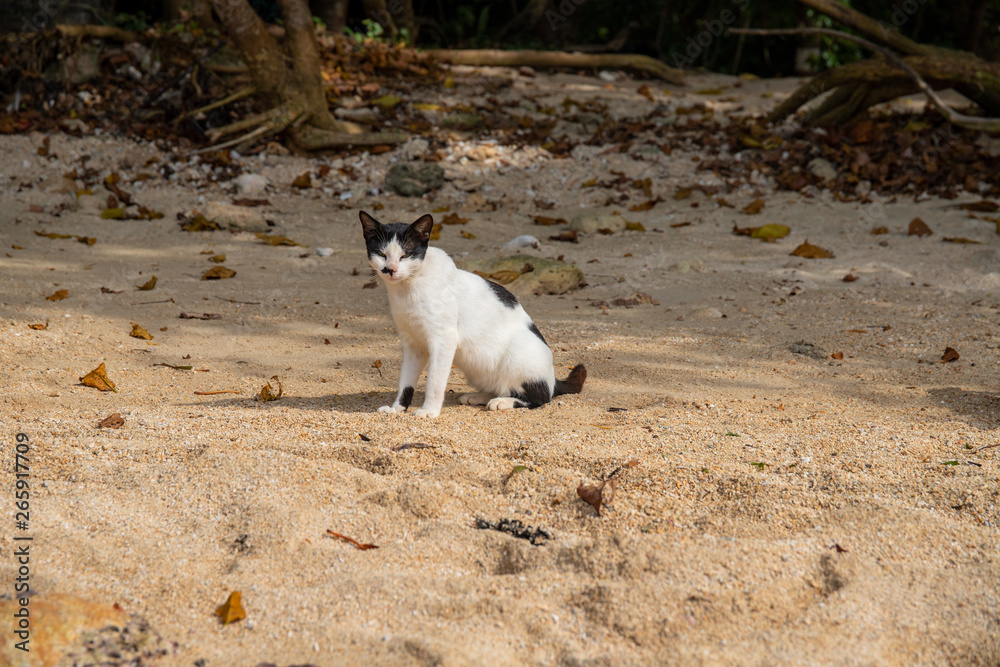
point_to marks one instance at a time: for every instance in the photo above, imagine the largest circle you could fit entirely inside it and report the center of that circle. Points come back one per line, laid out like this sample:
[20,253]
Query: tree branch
[954,117]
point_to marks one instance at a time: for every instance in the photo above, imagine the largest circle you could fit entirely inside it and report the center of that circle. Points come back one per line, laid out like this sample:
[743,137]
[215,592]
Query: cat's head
[396,251]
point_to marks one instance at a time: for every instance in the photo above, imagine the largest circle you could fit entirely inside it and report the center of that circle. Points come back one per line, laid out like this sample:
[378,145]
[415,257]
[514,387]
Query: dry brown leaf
[919,228]
[876,231]
[276,239]
[58,296]
[598,494]
[453,219]
[436,231]
[645,92]
[39,327]
[634,226]
[148,285]
[645,206]
[837,355]
[112,421]
[251,202]
[267,394]
[52,235]
[139,332]
[98,379]
[217,259]
[468,235]
[303,181]
[500,277]
[89,240]
[568,236]
[810,251]
[681,194]
[231,610]
[984,206]
[849,278]
[218,273]
[950,354]
[680,224]
[547,221]
[198,224]
[754,207]
[958,239]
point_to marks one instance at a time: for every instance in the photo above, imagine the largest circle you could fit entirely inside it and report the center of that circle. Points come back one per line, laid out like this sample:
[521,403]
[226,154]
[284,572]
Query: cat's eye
[405,255]
[380,254]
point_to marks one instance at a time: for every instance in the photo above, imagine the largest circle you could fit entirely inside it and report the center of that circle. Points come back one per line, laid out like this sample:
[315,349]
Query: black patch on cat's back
[533,329]
[534,394]
[502,294]
[406,398]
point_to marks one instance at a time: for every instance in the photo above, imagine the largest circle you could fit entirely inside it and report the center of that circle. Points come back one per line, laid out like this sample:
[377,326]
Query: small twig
[176,368]
[249,303]
[253,134]
[238,95]
[363,547]
[146,303]
[213,393]
[630,464]
[969,122]
[412,445]
[995,444]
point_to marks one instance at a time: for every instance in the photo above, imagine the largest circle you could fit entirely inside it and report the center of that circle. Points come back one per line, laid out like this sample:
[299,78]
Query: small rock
[251,185]
[822,168]
[808,350]
[360,115]
[689,265]
[237,218]
[591,221]
[80,66]
[324,252]
[477,202]
[413,180]
[414,149]
[520,243]
[524,70]
[90,203]
[704,314]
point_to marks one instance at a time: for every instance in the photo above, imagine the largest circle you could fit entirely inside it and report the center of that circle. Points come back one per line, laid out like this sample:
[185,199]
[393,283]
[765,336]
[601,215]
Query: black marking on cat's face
[411,238]
[406,398]
[502,294]
[533,329]
[533,394]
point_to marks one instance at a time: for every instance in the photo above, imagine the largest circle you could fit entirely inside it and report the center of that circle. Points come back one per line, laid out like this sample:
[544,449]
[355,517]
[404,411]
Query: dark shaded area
[537,536]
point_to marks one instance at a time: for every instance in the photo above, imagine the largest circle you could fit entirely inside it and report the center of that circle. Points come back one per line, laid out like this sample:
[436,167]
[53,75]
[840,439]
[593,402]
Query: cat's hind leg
[478,398]
[532,395]
[409,372]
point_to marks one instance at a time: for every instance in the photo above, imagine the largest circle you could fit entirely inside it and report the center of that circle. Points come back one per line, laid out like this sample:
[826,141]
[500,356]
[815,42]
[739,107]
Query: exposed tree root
[858,86]
[545,59]
[98,31]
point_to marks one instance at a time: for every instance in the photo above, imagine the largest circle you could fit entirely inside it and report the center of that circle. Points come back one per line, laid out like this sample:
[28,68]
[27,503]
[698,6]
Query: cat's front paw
[392,409]
[428,414]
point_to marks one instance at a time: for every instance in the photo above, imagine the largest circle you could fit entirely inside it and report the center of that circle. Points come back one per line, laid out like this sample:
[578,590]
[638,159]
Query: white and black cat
[445,315]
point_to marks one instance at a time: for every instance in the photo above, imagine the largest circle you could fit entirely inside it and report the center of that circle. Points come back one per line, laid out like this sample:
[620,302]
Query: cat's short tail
[573,383]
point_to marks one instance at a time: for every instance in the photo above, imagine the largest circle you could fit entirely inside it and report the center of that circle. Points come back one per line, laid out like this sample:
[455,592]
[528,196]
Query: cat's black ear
[370,225]
[422,227]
